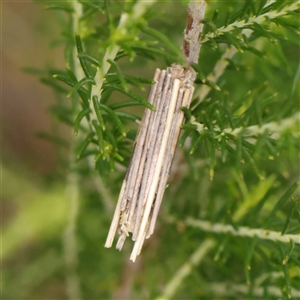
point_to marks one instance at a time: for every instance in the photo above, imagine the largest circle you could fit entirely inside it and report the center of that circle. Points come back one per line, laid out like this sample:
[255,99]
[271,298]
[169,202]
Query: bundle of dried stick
[146,178]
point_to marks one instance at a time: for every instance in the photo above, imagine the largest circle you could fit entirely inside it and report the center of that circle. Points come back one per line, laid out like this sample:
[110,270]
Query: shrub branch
[242,231]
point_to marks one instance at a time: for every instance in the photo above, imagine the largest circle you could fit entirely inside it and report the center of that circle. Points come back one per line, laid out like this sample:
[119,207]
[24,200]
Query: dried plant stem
[156,172]
[178,119]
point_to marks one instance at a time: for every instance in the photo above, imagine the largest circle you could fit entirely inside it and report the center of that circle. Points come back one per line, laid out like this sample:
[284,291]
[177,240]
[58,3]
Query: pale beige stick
[142,143]
[145,156]
[150,197]
[184,98]
[142,239]
[121,241]
[141,148]
[175,128]
[157,134]
[154,139]
[115,220]
[165,168]
[178,120]
[159,131]
[136,162]
[140,138]
[154,143]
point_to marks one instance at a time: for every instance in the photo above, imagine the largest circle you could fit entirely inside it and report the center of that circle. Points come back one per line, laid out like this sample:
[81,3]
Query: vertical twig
[191,44]
[72,191]
[69,238]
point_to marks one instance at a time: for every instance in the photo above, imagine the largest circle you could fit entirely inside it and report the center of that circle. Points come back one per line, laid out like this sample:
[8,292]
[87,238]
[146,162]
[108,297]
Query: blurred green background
[33,212]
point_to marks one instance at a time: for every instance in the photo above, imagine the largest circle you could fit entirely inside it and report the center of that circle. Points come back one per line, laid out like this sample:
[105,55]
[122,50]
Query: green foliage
[231,210]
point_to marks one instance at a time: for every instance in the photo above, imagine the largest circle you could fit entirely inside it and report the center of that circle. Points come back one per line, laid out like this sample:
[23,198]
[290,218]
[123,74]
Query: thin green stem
[76,17]
[256,19]
[228,290]
[217,72]
[241,231]
[274,129]
[69,241]
[223,62]
[195,259]
[138,10]
[72,188]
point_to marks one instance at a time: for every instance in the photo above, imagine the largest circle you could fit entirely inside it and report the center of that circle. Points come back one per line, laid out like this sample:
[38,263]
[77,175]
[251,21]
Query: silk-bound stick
[148,171]
[178,119]
[155,141]
[156,172]
[132,167]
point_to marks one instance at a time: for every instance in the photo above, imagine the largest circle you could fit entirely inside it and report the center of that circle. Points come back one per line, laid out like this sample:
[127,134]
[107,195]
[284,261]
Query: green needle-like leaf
[115,118]
[119,74]
[131,95]
[89,58]
[82,147]
[82,60]
[80,116]
[123,104]
[161,37]
[98,112]
[99,135]
[80,84]
[280,202]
